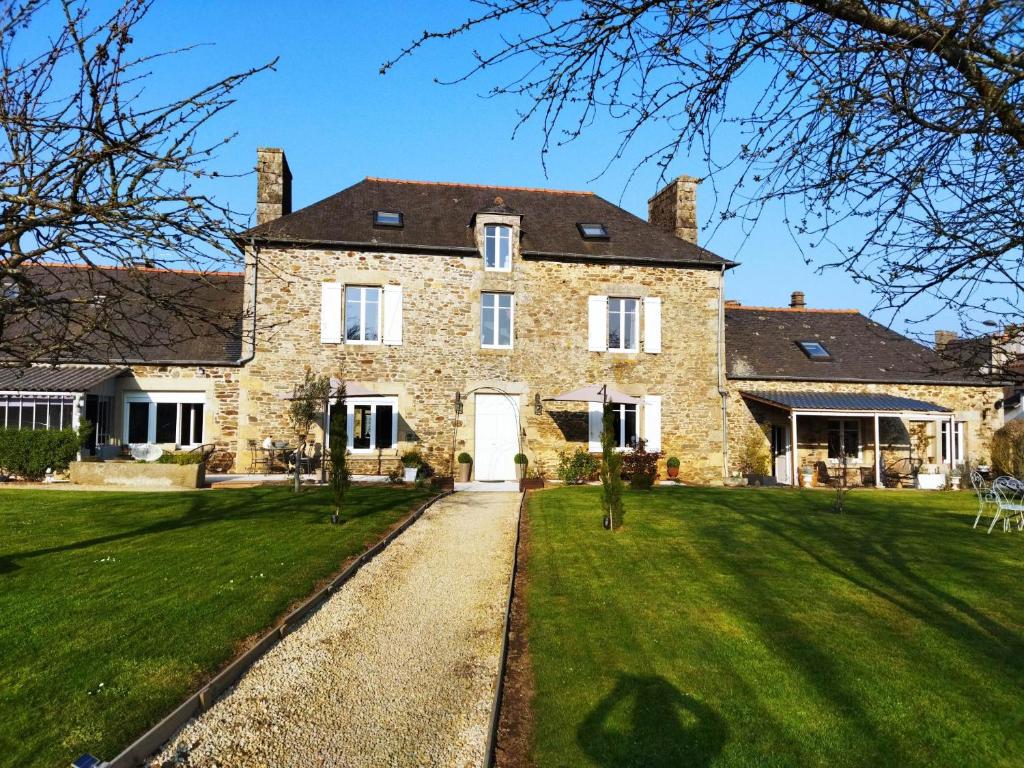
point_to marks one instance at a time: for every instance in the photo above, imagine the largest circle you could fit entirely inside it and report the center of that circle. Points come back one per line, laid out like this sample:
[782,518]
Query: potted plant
[521,462]
[465,467]
[807,475]
[412,461]
[955,476]
[673,467]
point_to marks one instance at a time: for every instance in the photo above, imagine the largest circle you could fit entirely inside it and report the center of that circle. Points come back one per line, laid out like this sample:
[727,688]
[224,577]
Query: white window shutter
[652,422]
[392,314]
[330,313]
[350,425]
[595,419]
[597,311]
[652,324]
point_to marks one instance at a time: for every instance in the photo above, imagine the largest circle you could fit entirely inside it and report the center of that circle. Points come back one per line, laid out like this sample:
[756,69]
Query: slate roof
[72,378]
[761,343]
[438,218]
[842,401]
[151,315]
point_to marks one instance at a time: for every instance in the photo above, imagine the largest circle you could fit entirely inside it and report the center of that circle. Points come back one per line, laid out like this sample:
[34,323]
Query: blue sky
[339,120]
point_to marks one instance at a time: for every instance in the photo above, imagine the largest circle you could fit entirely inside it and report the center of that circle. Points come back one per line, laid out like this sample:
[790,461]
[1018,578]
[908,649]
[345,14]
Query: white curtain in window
[595,416]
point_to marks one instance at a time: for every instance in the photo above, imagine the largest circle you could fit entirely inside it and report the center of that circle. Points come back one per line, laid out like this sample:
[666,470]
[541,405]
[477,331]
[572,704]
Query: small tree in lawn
[340,476]
[611,472]
[307,400]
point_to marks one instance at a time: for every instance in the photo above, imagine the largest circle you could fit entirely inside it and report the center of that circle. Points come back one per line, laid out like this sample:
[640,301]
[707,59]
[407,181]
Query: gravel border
[397,668]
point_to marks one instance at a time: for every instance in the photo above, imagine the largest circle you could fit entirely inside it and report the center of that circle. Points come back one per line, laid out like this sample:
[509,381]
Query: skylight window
[388,218]
[593,231]
[814,350]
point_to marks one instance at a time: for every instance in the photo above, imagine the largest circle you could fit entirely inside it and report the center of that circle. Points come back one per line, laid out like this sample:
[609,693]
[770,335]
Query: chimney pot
[273,185]
[796,300]
[732,303]
[674,208]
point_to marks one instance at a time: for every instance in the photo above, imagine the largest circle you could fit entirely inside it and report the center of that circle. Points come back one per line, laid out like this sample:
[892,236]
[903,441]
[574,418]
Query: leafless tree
[103,187]
[894,127]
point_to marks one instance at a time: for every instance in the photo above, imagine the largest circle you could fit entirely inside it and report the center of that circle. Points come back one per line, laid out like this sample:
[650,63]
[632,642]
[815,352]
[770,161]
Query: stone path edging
[492,731]
[152,740]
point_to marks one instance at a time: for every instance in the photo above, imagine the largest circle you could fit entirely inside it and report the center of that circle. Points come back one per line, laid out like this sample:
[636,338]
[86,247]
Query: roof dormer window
[814,350]
[388,219]
[593,231]
[498,247]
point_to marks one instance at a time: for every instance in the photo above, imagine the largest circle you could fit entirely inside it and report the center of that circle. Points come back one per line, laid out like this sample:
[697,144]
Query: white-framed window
[623,316]
[362,314]
[844,437]
[372,423]
[498,247]
[624,425]
[496,320]
[25,411]
[164,417]
[954,451]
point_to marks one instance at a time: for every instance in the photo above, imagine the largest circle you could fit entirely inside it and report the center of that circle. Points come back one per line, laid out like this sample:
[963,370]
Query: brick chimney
[273,185]
[942,338]
[674,208]
[796,300]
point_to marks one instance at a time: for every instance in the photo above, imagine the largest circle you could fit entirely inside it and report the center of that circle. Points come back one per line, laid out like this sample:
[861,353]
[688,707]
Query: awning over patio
[71,379]
[844,402]
[872,405]
[596,393]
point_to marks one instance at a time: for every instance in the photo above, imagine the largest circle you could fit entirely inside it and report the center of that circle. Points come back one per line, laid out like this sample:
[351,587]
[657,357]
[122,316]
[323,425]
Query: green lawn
[115,606]
[727,627]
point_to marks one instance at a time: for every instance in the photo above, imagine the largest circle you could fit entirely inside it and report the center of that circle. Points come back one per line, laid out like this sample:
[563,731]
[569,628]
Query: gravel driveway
[398,668]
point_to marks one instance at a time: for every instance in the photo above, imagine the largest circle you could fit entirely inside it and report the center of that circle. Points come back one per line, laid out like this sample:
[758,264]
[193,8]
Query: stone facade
[973,405]
[441,353]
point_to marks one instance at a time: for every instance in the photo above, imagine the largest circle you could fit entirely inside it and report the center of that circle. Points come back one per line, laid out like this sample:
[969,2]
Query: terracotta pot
[673,471]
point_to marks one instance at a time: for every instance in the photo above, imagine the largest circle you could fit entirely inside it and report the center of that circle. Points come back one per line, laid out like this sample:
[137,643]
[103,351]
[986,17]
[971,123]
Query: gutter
[831,380]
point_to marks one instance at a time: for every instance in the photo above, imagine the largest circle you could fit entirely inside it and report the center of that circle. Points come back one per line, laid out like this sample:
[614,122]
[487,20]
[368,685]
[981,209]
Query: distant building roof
[764,343]
[71,378]
[155,315]
[437,217]
[843,401]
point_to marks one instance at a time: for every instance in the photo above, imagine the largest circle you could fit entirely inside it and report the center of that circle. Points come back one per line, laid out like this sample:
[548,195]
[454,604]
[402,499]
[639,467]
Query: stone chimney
[273,185]
[942,338]
[732,303]
[674,209]
[796,300]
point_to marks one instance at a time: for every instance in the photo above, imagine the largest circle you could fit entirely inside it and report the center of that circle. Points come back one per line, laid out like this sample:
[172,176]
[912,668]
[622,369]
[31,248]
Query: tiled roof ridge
[51,265]
[794,309]
[481,186]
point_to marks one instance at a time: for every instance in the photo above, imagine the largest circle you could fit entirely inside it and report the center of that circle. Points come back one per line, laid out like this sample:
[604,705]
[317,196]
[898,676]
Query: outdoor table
[277,457]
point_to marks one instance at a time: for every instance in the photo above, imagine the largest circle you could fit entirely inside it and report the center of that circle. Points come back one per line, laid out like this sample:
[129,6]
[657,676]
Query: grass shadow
[666,727]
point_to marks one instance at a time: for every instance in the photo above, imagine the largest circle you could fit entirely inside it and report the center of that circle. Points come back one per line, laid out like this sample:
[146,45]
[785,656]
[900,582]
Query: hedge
[1008,449]
[28,453]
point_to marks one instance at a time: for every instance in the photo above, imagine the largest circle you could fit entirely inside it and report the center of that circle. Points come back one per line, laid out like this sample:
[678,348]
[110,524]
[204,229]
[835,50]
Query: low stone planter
[930,482]
[133,474]
[530,483]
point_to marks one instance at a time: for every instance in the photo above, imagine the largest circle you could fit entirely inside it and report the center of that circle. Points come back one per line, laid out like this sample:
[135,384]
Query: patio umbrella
[596,393]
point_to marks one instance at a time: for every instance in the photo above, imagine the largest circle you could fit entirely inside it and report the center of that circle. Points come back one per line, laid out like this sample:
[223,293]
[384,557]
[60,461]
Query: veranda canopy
[597,393]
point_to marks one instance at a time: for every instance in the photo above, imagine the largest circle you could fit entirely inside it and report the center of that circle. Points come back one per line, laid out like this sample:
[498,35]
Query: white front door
[496,437]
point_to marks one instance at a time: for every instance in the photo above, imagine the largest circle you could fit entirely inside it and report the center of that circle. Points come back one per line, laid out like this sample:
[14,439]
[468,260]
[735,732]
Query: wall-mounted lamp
[538,409]
[458,403]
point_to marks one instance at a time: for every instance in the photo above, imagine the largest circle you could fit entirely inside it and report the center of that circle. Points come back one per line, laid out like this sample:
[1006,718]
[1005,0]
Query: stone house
[459,311]
[840,387]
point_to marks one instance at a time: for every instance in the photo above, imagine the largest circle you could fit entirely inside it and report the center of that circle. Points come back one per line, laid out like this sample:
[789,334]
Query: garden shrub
[28,453]
[1008,449]
[754,457]
[577,467]
[640,466]
[181,458]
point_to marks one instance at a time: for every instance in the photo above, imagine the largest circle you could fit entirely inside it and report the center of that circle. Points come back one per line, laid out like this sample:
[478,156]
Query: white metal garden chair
[986,496]
[1009,493]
